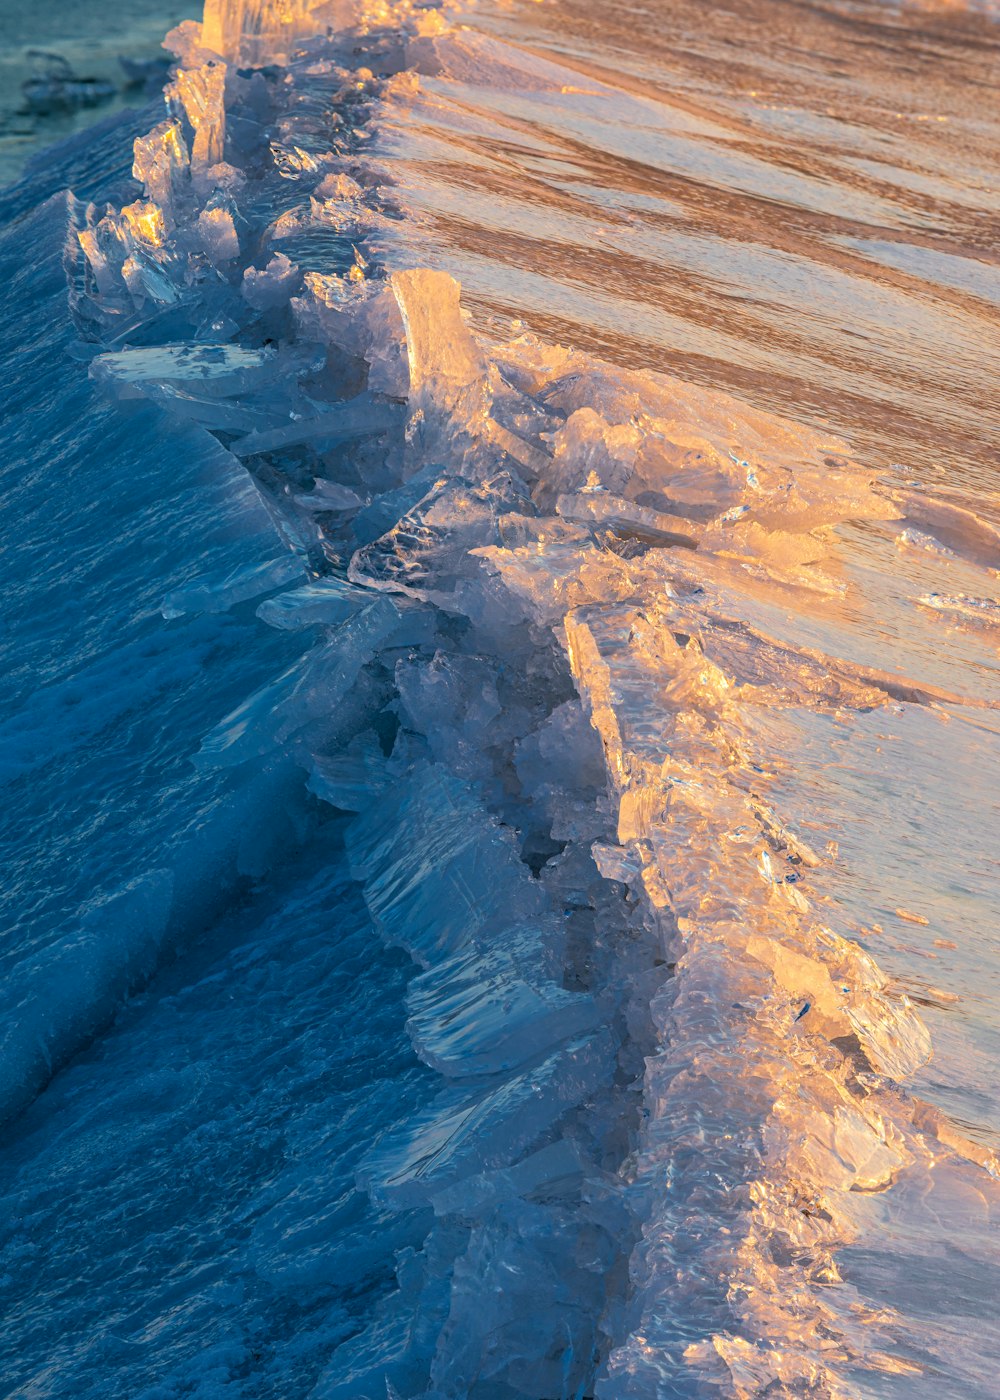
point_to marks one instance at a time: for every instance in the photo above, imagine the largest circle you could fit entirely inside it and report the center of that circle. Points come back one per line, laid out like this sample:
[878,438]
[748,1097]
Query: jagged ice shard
[562,1081]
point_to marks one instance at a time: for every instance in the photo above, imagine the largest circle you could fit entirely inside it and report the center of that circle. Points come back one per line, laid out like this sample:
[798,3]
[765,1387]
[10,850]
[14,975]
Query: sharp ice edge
[530,686]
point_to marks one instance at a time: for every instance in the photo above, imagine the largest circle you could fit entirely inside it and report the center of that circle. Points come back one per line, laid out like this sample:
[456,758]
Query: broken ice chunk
[163,167]
[329,496]
[894,1038]
[358,418]
[217,593]
[110,242]
[428,551]
[217,235]
[307,692]
[587,450]
[918,539]
[327,603]
[200,92]
[353,779]
[627,518]
[444,360]
[145,222]
[147,282]
[256,32]
[464,1133]
[550,1168]
[452,701]
[477,1013]
[621,863]
[271,287]
[362,321]
[218,369]
[439,872]
[249,730]
[185,42]
[964,607]
[222,386]
[388,509]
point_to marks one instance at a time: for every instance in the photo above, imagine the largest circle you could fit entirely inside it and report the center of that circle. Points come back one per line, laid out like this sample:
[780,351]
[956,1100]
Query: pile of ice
[665,1084]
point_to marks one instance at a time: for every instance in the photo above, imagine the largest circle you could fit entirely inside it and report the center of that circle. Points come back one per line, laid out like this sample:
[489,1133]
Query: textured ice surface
[212,1138]
[501,1044]
[100,697]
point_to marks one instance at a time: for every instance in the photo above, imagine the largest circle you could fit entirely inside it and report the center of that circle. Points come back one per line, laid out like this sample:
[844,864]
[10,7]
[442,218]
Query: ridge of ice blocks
[548,625]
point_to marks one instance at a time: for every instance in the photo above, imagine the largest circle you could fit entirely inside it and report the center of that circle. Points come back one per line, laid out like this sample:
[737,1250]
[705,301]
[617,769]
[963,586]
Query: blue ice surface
[200,1033]
[94,163]
[181,1216]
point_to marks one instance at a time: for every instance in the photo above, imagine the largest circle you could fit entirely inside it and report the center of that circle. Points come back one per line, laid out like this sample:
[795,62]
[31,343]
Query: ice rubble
[664,1082]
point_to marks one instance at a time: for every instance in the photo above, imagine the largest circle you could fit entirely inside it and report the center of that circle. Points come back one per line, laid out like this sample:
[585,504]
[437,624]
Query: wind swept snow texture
[487,650]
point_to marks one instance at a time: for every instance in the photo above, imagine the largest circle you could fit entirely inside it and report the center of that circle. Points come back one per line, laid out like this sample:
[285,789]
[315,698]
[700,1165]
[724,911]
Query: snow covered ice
[419,992]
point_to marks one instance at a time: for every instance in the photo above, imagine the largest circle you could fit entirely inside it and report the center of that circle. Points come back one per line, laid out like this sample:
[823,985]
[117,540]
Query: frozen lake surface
[500,709]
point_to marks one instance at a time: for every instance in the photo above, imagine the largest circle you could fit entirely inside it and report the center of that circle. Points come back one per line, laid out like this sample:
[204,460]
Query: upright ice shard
[163,166]
[200,92]
[445,361]
[255,32]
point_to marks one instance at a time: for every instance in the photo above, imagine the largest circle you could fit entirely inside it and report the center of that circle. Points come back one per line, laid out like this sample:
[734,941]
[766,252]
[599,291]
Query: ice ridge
[550,600]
